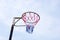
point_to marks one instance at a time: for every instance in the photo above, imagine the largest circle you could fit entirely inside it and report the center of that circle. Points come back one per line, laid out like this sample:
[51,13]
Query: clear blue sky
[48,28]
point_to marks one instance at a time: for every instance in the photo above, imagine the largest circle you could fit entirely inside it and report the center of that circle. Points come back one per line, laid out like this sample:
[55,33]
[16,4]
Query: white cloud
[2,38]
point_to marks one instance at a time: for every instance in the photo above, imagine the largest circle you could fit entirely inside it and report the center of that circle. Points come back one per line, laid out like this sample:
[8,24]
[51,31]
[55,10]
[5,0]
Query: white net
[30,19]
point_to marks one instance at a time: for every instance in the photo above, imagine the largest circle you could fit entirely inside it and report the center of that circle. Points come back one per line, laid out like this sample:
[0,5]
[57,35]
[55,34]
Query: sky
[48,28]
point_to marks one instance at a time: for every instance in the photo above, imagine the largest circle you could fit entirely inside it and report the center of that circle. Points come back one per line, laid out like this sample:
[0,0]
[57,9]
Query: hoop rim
[31,12]
[24,14]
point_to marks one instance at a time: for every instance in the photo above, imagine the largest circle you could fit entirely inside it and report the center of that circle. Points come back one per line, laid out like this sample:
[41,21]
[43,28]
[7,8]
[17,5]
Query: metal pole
[12,27]
[11,32]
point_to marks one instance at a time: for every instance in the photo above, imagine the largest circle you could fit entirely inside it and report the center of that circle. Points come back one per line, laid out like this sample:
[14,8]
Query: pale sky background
[48,28]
